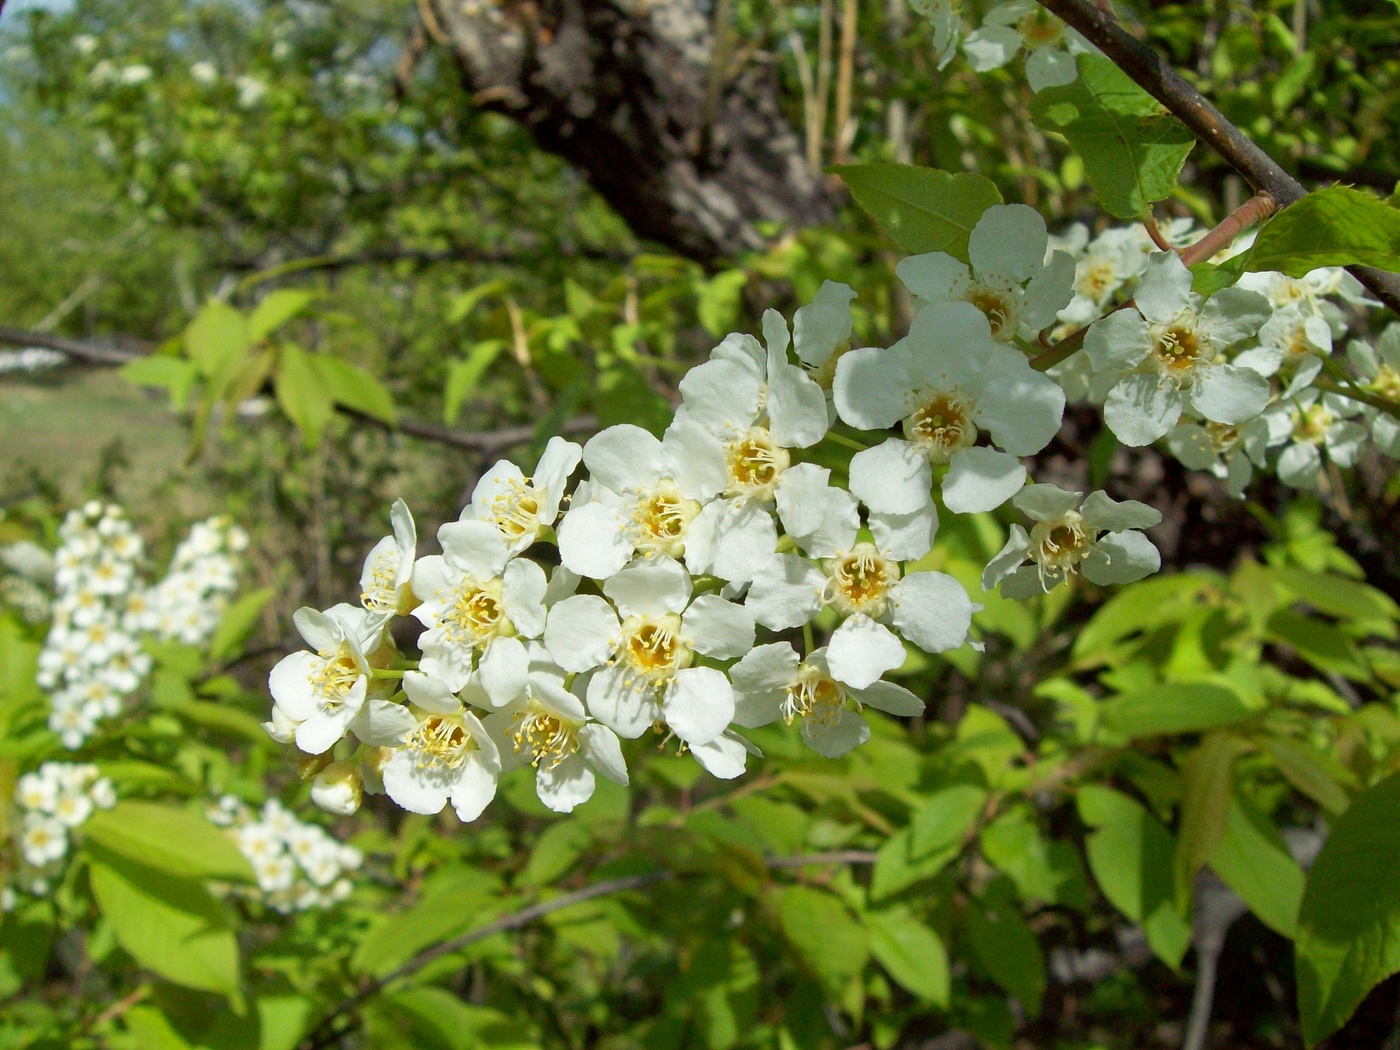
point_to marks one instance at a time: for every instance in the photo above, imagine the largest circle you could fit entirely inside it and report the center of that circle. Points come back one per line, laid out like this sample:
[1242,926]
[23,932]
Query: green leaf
[1131,855]
[1174,708]
[275,310]
[1005,947]
[717,301]
[943,821]
[923,209]
[895,868]
[555,852]
[1043,870]
[1336,226]
[1207,781]
[352,386]
[169,925]
[463,377]
[172,374]
[910,952]
[217,339]
[1253,860]
[1132,148]
[1340,597]
[1349,921]
[1319,643]
[238,622]
[825,935]
[302,393]
[466,302]
[451,901]
[434,1019]
[175,841]
[1310,771]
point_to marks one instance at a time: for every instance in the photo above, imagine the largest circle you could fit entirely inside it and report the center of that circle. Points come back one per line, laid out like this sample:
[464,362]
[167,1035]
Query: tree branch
[1152,73]
[326,1033]
[483,441]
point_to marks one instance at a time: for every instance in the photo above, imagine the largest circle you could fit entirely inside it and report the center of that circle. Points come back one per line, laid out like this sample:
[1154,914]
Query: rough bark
[618,88]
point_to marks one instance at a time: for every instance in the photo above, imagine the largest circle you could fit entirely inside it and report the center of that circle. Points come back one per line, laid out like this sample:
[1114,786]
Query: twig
[1149,223]
[325,1033]
[1250,213]
[1152,73]
[845,78]
[97,355]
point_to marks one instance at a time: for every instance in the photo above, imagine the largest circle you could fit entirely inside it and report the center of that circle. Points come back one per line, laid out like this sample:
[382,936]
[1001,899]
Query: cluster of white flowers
[674,551]
[1007,29]
[52,801]
[93,658]
[27,577]
[187,605]
[31,359]
[298,866]
[1226,381]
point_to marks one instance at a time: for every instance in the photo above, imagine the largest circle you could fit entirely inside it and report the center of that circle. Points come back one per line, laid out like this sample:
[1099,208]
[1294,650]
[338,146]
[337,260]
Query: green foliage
[1349,922]
[922,209]
[1132,148]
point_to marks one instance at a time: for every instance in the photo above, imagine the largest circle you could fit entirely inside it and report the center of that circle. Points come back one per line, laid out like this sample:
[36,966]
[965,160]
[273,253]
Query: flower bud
[338,789]
[281,728]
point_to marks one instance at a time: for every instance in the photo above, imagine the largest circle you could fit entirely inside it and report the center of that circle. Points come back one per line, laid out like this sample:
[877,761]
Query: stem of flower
[382,672]
[1386,405]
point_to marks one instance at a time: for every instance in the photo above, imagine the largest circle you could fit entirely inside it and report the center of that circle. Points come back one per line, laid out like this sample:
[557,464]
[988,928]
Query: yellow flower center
[1223,436]
[998,302]
[1058,545]
[661,518]
[516,511]
[382,594]
[334,679]
[860,580]
[1097,278]
[478,614]
[1310,424]
[1178,349]
[813,696]
[1039,29]
[1387,383]
[755,464]
[441,742]
[543,737]
[654,648]
[940,426]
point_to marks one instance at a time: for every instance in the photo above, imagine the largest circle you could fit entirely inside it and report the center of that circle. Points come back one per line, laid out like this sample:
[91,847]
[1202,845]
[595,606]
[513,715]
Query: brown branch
[1253,211]
[1154,75]
[484,441]
[326,1032]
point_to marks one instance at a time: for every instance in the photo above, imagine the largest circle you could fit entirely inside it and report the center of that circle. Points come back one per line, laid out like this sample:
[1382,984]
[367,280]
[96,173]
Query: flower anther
[661,517]
[1058,545]
[653,647]
[543,737]
[941,425]
[755,463]
[860,581]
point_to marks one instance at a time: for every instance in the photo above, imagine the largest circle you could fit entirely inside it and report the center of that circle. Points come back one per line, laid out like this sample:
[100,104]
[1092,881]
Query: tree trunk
[619,89]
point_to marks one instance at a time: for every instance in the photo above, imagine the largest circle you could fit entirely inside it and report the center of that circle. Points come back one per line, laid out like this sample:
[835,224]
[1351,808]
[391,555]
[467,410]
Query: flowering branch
[1156,76]
[327,1033]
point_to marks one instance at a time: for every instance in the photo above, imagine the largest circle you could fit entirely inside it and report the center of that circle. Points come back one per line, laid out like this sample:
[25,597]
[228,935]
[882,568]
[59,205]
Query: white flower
[524,508]
[1010,280]
[388,569]
[204,72]
[758,405]
[549,729]
[1380,367]
[1314,422]
[1168,353]
[1098,539]
[1051,43]
[1103,266]
[43,839]
[772,682]
[477,599]
[946,380]
[647,653]
[1229,452]
[947,21]
[862,581]
[338,789]
[323,691]
[135,74]
[642,498]
[442,752]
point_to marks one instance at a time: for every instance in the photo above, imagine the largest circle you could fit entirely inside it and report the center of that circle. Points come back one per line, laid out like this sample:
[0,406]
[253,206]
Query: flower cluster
[674,551]
[92,658]
[1228,381]
[28,575]
[298,866]
[52,801]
